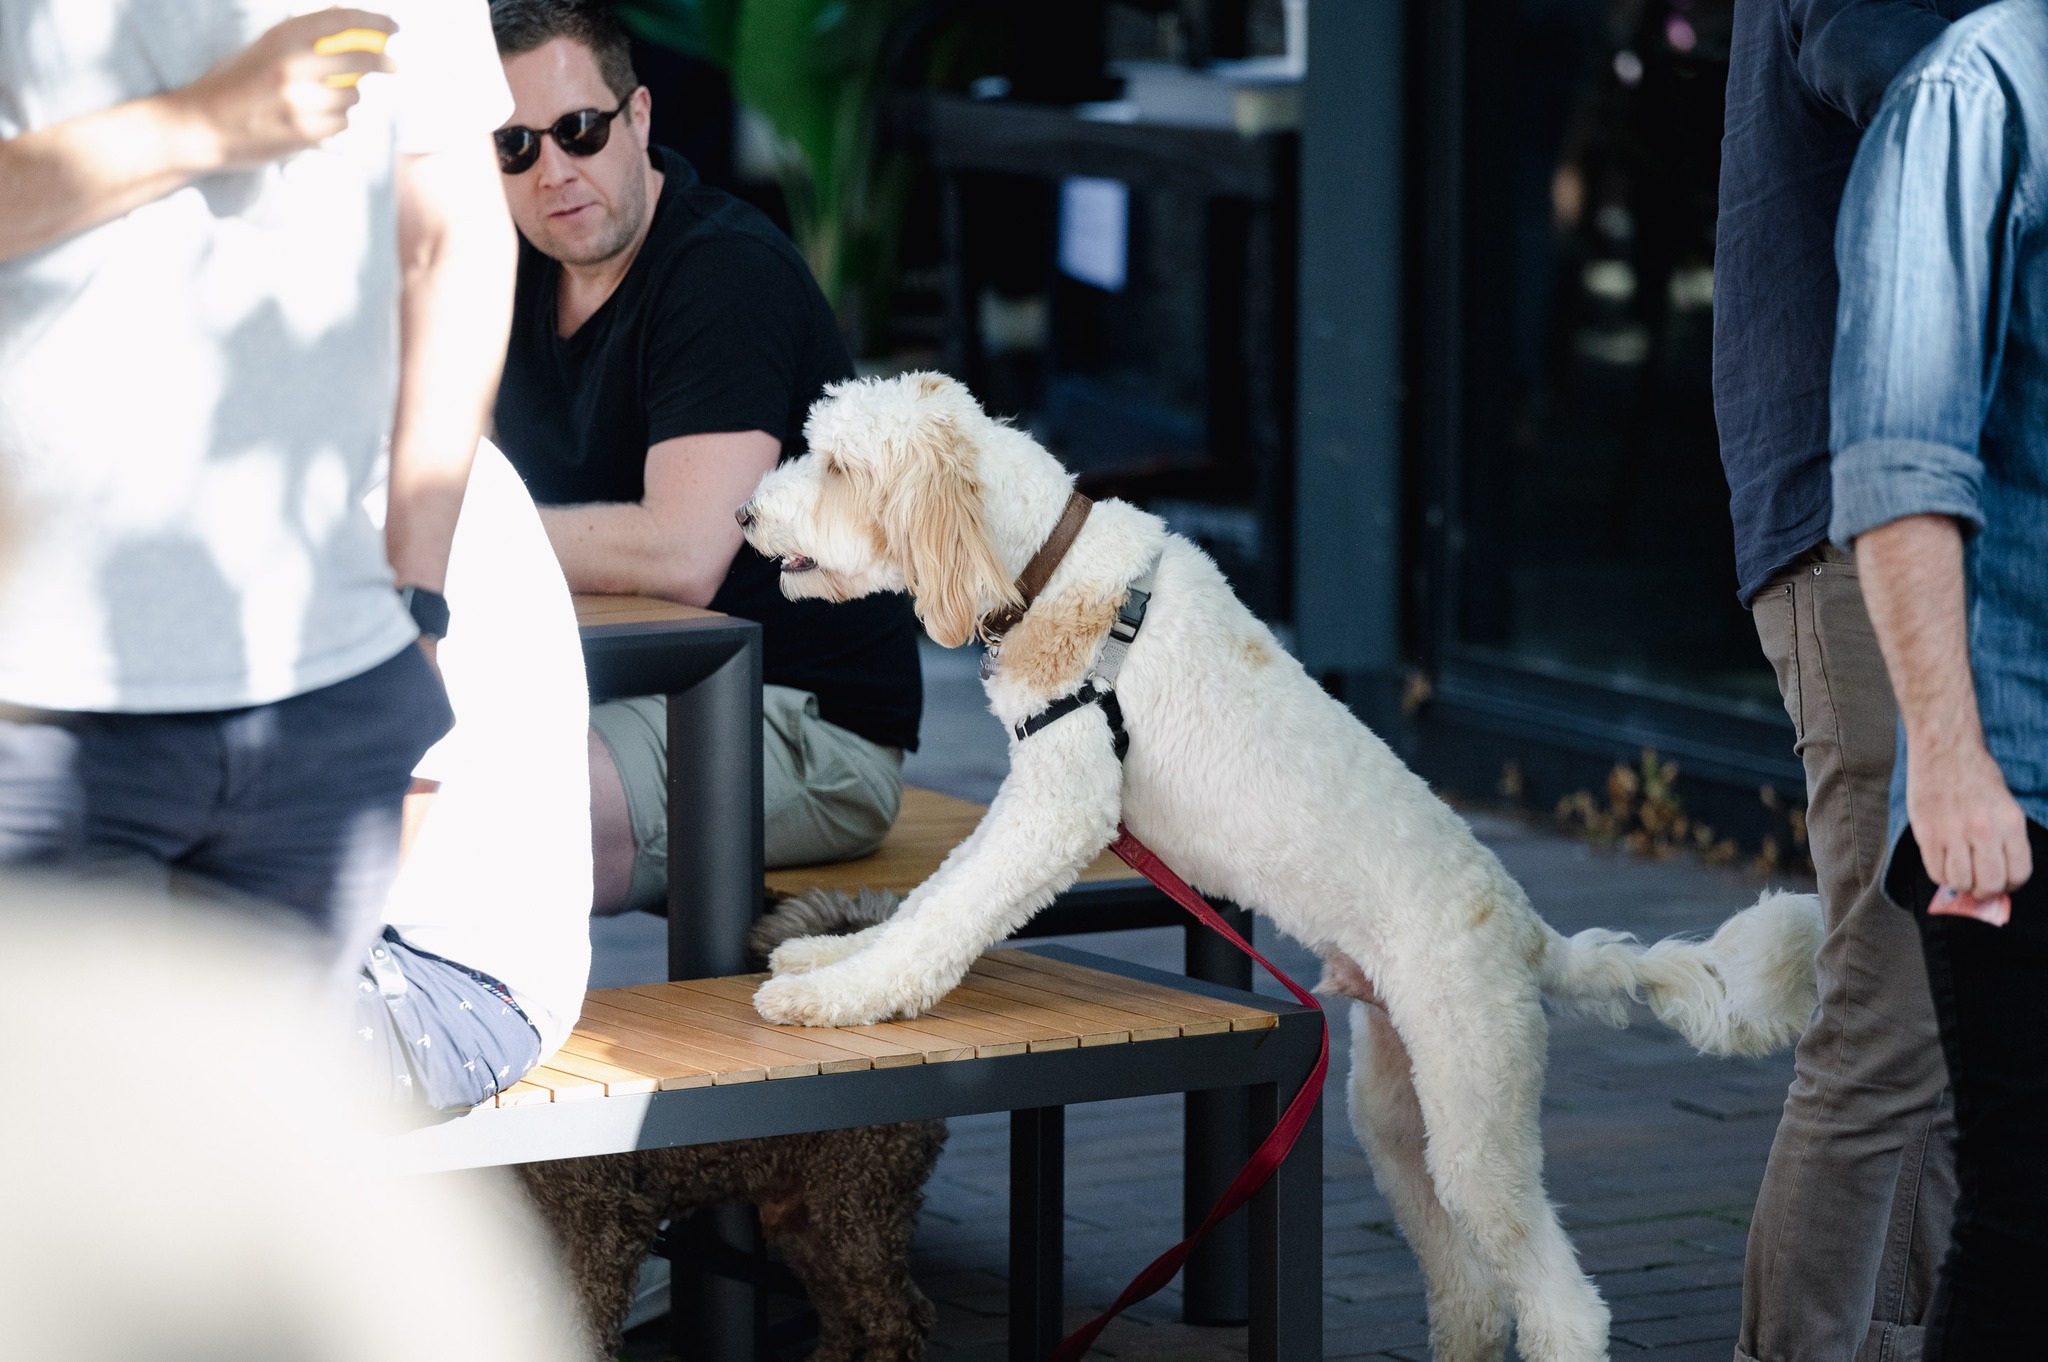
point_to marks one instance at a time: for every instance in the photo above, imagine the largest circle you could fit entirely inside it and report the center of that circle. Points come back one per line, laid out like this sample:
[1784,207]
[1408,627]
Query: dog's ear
[950,567]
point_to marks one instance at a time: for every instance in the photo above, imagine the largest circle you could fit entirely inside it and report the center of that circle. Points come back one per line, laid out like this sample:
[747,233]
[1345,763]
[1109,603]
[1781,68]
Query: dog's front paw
[821,998]
[802,954]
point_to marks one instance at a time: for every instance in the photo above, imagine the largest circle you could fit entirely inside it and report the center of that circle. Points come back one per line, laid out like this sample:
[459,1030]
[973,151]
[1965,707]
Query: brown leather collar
[1039,570]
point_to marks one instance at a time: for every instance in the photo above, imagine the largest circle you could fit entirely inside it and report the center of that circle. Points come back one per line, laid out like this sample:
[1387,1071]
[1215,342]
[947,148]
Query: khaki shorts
[830,795]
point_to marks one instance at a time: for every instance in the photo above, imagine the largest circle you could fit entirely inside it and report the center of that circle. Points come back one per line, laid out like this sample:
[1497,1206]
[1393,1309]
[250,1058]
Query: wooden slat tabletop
[929,825]
[705,1031]
[596,610]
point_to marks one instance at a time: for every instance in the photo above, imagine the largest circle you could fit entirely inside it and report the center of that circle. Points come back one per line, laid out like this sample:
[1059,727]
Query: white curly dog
[1258,787]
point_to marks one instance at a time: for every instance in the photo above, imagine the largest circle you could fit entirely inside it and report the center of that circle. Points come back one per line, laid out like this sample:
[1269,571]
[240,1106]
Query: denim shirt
[1940,394]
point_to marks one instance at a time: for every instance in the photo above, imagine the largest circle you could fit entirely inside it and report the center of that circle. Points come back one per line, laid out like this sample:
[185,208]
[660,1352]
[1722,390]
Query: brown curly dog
[841,1205]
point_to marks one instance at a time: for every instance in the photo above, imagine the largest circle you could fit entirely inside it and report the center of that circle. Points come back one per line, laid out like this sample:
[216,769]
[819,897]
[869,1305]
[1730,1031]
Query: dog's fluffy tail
[1746,990]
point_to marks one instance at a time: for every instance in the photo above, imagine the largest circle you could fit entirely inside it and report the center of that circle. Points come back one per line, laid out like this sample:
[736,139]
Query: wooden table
[1028,1032]
[709,667]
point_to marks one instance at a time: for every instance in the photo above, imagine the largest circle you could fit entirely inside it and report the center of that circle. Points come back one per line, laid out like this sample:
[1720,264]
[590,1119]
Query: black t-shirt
[717,326]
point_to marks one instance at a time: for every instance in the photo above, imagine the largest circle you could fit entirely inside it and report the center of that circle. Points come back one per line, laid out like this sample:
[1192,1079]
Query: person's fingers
[341,64]
[322,96]
[1987,869]
[2019,858]
[308,28]
[2015,858]
[343,16]
[1949,861]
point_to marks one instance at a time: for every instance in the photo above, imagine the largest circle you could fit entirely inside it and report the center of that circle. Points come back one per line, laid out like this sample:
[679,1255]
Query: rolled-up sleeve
[1924,250]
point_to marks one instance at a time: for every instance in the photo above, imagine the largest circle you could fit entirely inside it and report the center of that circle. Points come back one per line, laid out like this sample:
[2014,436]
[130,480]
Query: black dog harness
[1099,686]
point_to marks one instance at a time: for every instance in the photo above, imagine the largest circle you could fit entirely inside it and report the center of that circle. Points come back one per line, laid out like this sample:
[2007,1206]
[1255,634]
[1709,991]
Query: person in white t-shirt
[230,275]
[485,954]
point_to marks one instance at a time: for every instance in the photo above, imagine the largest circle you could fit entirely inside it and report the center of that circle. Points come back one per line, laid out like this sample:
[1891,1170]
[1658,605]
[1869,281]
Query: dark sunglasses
[582,133]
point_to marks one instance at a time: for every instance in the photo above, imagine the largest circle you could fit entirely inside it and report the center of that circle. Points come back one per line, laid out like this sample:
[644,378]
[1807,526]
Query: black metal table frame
[1285,1273]
[710,670]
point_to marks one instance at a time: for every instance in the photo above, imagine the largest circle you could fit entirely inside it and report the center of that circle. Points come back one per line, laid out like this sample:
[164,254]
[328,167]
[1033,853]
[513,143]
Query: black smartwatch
[429,610]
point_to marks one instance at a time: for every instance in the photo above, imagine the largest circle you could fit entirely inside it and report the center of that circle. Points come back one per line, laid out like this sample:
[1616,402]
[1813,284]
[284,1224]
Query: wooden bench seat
[704,1032]
[928,826]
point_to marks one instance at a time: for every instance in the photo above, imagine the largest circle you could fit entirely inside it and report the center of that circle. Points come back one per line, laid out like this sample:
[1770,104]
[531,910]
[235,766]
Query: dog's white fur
[1259,788]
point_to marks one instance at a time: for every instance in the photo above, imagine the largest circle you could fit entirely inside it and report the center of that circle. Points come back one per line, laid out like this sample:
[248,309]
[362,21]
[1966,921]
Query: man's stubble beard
[622,226]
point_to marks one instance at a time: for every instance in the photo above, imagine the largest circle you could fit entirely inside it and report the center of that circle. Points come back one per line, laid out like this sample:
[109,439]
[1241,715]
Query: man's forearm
[1912,575]
[623,548]
[71,176]
[458,255]
[678,541]
[1971,835]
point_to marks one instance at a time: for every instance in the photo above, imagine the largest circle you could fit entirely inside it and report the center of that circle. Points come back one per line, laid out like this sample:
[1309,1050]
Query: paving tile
[1724,1302]
[1701,1350]
[1677,1276]
[1719,1326]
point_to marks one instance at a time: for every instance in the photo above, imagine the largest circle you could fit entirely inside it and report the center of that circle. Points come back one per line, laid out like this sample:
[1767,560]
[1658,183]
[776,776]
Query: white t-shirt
[193,396]
[498,875]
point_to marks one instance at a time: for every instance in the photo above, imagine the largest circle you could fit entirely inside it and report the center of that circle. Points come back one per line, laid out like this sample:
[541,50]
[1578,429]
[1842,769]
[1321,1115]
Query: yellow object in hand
[349,40]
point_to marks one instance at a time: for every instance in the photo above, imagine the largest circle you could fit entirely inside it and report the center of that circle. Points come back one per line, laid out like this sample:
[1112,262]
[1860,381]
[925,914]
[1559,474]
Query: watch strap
[429,610]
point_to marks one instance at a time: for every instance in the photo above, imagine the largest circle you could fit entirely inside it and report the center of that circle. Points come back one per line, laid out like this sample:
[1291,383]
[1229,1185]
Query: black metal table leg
[1217,1141]
[713,1315]
[1038,1203]
[714,817]
[715,864]
[1287,1238]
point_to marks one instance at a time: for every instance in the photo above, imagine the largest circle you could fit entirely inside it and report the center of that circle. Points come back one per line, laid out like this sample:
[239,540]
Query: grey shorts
[435,1034]
[830,794]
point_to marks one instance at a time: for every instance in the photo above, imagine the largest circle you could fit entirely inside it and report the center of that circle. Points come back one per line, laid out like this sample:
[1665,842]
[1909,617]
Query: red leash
[1272,1150]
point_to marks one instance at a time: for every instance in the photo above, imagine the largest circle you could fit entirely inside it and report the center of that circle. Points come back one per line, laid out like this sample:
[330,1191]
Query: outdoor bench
[1030,1032]
[709,665]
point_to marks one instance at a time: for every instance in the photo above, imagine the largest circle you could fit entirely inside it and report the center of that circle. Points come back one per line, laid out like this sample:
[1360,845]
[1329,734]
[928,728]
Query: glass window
[1594,536]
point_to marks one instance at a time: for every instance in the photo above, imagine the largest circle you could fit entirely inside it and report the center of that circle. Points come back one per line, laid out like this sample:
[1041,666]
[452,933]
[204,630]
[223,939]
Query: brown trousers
[1853,1216]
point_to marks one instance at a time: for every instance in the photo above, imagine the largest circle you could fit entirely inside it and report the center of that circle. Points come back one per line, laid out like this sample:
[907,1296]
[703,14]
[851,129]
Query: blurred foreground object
[182,1179]
[350,40]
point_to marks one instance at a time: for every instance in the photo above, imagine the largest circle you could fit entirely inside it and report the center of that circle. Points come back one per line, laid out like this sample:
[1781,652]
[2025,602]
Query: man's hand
[1972,833]
[1972,836]
[275,97]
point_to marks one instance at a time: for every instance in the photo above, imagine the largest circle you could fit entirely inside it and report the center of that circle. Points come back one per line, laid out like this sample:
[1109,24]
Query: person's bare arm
[264,102]
[419,801]
[1972,835]
[678,541]
[458,256]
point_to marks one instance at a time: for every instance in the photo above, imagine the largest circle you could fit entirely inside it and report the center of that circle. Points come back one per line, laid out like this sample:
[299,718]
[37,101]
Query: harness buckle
[1099,686]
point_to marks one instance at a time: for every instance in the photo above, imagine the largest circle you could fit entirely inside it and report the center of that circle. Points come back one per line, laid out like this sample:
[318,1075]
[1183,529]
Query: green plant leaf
[702,28]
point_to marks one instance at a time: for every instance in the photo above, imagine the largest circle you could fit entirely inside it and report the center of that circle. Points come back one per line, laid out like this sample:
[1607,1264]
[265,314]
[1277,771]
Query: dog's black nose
[745,515]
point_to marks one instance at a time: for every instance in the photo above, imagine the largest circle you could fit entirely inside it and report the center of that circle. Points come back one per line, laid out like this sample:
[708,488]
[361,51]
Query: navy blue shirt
[1804,78]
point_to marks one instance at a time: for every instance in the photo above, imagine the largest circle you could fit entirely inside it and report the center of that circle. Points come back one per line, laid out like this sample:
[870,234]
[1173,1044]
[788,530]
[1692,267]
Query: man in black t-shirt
[667,341]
